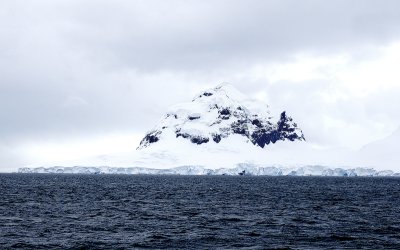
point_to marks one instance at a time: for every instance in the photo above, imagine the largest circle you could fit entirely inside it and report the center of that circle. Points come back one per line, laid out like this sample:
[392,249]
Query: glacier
[239,169]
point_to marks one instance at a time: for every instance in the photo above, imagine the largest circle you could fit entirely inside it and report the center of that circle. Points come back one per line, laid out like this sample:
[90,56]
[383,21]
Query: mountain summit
[219,113]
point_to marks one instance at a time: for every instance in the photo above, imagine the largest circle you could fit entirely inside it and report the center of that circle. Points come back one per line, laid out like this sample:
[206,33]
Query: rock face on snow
[218,113]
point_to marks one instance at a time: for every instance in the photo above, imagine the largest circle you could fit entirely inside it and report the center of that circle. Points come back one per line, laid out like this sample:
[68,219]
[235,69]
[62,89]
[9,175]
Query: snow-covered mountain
[218,128]
[216,114]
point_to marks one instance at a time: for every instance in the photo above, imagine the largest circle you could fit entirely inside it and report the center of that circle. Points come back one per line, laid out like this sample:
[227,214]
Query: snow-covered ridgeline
[247,169]
[215,115]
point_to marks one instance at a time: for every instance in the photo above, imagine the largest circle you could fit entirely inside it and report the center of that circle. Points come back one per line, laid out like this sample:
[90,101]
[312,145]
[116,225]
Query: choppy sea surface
[49,211]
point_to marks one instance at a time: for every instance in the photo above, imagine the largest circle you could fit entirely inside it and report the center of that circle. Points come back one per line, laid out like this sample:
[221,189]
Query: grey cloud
[222,36]
[176,35]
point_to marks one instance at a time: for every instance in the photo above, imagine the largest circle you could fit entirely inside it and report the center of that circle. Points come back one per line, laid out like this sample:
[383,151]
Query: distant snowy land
[240,169]
[223,132]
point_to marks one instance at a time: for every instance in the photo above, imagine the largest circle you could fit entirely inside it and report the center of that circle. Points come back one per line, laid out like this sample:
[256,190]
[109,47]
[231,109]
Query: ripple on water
[110,211]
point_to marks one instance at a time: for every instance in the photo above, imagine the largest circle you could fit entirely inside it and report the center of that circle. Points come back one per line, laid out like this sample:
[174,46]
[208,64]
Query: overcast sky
[80,78]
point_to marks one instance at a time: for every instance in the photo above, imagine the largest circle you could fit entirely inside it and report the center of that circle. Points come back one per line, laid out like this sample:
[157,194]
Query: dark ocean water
[125,212]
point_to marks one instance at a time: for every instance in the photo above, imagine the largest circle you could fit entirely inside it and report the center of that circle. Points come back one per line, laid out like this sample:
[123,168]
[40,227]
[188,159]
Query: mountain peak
[224,90]
[218,113]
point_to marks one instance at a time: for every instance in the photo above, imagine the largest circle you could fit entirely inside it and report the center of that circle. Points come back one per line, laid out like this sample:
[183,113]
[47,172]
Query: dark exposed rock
[173,115]
[287,128]
[216,138]
[199,139]
[257,123]
[178,133]
[283,123]
[224,114]
[193,117]
[151,137]
[225,111]
[261,138]
[262,135]
[240,127]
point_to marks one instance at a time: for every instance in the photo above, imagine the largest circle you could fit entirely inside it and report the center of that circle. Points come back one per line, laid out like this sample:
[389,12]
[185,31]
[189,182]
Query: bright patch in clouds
[348,77]
[376,74]
[302,67]
[73,150]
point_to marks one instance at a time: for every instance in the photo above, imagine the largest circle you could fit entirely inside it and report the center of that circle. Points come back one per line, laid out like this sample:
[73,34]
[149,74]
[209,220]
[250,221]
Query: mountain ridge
[216,114]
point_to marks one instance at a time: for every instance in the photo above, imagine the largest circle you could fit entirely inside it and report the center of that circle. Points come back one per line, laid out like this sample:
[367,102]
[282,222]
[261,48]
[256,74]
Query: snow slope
[381,154]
